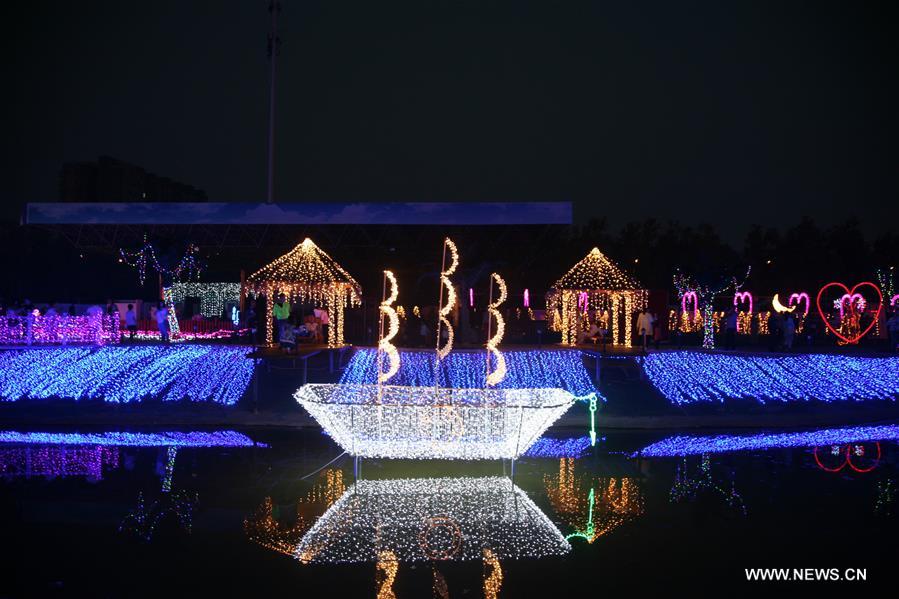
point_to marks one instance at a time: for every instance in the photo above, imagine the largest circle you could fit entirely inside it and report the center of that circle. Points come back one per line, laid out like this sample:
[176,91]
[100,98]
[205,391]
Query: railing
[59,329]
[190,325]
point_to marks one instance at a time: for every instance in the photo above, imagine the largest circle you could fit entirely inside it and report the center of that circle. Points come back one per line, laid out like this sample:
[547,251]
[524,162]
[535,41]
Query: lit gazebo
[595,290]
[308,274]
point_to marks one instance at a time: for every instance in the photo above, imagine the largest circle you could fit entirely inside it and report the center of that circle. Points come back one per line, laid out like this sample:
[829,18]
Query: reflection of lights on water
[264,529]
[387,565]
[695,445]
[592,506]
[493,574]
[688,487]
[396,515]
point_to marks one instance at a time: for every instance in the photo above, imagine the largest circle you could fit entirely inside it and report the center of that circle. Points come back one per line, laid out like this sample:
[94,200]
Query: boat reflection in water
[432,520]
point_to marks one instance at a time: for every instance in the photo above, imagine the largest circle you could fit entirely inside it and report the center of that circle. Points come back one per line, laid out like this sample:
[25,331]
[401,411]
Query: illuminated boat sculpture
[430,519]
[429,419]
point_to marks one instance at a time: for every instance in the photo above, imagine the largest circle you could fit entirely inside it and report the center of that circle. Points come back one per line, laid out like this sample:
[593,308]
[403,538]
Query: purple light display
[57,461]
[59,329]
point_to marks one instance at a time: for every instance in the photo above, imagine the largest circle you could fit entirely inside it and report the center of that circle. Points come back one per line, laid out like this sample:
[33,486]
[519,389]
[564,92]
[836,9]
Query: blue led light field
[119,374]
[126,439]
[689,445]
[547,447]
[527,369]
[686,377]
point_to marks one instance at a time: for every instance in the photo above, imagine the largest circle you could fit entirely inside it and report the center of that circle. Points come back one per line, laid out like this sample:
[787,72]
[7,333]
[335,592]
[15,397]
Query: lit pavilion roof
[597,272]
[306,264]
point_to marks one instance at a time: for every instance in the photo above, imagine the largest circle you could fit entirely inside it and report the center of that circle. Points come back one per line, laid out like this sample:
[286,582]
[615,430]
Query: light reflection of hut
[592,506]
[308,274]
[595,290]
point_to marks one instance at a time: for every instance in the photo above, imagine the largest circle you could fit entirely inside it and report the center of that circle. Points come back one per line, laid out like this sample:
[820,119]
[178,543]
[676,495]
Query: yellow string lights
[445,308]
[592,506]
[499,373]
[387,567]
[493,574]
[385,347]
[262,528]
[308,274]
[593,287]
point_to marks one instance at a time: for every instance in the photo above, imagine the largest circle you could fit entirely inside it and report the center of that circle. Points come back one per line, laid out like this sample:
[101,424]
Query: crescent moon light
[779,307]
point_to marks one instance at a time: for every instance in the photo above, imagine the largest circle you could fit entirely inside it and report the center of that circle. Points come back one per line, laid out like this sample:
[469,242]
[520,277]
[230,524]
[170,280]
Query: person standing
[162,322]
[730,330]
[281,312]
[322,315]
[789,331]
[131,322]
[893,329]
[645,326]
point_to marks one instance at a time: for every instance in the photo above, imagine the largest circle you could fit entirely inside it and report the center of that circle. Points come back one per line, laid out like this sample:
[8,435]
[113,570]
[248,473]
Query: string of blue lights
[547,447]
[686,377]
[119,374]
[532,369]
[689,445]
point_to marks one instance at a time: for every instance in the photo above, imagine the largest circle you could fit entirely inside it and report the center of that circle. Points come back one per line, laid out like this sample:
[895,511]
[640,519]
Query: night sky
[730,113]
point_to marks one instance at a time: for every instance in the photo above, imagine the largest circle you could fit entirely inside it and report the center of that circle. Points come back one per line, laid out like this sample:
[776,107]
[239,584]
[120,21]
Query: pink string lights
[796,298]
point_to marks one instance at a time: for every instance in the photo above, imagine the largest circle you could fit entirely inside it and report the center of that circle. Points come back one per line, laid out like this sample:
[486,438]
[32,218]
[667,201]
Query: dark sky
[725,112]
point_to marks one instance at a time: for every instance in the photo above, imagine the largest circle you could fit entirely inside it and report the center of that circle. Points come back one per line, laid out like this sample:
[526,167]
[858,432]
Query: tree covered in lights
[595,288]
[704,294]
[308,274]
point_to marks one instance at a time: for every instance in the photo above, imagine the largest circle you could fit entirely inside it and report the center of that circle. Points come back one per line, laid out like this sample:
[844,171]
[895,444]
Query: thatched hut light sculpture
[308,274]
[596,286]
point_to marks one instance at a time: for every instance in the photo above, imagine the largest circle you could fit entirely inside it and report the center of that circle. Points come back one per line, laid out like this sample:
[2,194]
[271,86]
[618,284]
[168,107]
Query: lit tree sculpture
[705,296]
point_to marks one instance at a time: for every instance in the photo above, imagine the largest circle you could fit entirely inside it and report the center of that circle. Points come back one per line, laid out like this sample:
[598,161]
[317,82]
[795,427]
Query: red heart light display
[851,292]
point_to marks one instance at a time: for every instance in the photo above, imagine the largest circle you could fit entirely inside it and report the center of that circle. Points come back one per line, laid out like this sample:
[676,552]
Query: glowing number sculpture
[445,309]
[496,377]
[385,347]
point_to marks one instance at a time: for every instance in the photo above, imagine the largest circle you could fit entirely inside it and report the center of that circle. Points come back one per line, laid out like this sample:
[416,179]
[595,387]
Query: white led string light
[213,296]
[398,421]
